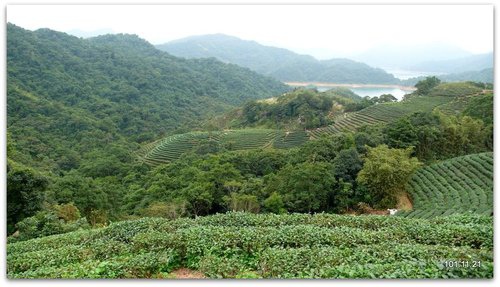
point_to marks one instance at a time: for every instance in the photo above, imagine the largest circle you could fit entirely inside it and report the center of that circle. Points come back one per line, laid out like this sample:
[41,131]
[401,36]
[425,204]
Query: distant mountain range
[407,56]
[485,76]
[279,63]
[288,66]
[459,65]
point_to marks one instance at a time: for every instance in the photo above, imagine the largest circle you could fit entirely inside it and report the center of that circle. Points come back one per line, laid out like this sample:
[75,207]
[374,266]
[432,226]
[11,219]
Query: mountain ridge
[280,63]
[112,89]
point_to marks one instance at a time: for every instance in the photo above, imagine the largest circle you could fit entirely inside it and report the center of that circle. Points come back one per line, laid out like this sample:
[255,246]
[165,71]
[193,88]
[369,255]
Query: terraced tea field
[172,147]
[242,245]
[458,185]
[290,139]
[381,113]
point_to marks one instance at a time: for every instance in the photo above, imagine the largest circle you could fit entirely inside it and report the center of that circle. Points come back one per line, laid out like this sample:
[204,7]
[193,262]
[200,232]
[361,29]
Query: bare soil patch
[184,273]
[404,202]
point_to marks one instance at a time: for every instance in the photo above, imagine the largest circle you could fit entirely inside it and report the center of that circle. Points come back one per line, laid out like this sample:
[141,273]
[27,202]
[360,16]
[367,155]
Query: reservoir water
[374,92]
[363,90]
[406,74]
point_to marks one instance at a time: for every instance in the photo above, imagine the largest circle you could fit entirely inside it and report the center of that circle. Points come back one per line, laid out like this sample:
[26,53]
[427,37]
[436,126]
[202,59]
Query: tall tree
[386,172]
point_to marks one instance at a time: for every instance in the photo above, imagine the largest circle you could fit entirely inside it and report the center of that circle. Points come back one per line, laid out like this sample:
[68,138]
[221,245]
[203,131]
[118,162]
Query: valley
[216,157]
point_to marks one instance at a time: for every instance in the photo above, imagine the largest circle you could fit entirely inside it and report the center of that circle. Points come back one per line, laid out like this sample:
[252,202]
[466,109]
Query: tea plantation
[458,185]
[243,245]
[382,113]
[172,147]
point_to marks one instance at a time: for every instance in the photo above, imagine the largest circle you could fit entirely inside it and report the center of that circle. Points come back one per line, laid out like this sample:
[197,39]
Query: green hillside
[124,161]
[451,98]
[68,96]
[295,110]
[299,109]
[239,245]
[172,147]
[381,113]
[458,185]
[279,63]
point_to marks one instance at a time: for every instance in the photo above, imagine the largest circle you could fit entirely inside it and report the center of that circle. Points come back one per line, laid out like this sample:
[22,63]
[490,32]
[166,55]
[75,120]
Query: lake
[363,90]
[406,74]
[374,92]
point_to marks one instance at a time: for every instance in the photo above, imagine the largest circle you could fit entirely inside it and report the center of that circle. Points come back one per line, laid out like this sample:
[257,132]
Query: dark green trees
[304,187]
[438,136]
[425,86]
[25,194]
[386,171]
[302,108]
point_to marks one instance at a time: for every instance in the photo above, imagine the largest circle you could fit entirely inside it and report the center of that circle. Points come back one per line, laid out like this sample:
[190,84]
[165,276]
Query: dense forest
[86,105]
[124,161]
[70,98]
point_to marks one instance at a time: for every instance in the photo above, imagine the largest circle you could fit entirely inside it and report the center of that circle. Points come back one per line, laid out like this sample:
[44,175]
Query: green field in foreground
[242,245]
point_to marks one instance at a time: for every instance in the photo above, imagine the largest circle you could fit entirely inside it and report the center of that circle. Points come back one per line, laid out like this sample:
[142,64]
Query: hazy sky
[321,30]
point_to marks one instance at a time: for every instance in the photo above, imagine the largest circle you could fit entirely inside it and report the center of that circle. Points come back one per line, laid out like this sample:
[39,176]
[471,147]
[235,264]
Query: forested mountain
[71,98]
[279,63]
[484,76]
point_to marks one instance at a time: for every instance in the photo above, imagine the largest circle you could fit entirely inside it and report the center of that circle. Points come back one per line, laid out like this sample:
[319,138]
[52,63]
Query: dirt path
[404,202]
[184,273]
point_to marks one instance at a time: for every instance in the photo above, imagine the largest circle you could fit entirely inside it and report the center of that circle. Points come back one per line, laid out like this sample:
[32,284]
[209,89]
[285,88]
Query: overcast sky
[321,30]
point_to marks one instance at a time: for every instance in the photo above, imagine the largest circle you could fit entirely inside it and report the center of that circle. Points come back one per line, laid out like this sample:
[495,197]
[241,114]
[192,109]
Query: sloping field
[381,113]
[290,139]
[458,185]
[246,245]
[172,147]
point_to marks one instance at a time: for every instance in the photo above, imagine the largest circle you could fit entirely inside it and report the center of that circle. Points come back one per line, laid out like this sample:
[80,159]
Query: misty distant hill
[408,57]
[464,64]
[279,63]
[485,76]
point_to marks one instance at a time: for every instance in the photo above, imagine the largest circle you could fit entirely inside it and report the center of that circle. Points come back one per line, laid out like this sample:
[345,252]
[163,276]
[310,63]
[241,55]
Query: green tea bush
[243,245]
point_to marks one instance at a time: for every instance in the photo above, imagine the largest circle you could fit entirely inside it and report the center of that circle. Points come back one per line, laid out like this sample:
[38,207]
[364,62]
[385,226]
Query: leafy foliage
[383,113]
[69,97]
[425,86]
[458,185]
[437,136]
[264,246]
[454,89]
[386,171]
[481,107]
[25,194]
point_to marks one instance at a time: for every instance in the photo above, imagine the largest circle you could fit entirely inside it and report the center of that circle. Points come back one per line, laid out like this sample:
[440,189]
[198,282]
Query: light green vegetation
[458,185]
[80,204]
[264,246]
[380,113]
[172,147]
[454,89]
